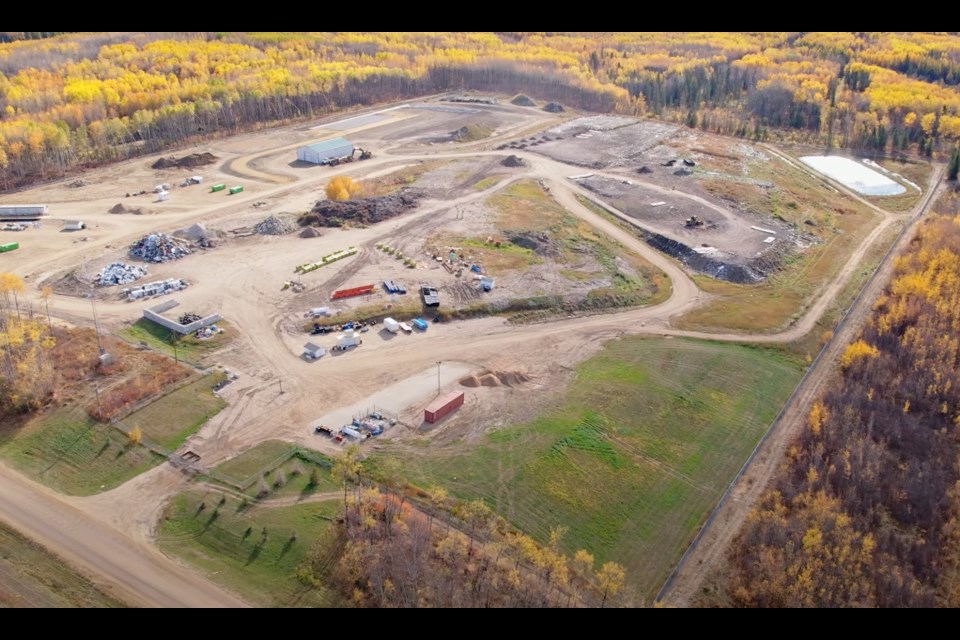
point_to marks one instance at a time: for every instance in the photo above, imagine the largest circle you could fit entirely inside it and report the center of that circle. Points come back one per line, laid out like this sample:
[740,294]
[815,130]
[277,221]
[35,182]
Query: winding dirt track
[110,533]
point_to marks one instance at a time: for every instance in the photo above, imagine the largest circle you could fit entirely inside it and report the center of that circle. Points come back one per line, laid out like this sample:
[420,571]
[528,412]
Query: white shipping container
[391,325]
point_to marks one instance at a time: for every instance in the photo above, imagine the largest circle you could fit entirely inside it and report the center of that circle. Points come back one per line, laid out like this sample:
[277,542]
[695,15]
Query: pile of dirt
[274,226]
[513,161]
[554,107]
[538,242]
[119,208]
[682,171]
[644,169]
[79,182]
[194,233]
[495,379]
[363,211]
[471,133]
[310,232]
[186,162]
[523,101]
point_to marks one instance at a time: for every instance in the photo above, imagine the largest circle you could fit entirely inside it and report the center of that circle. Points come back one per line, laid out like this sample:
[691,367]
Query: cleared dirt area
[280,395]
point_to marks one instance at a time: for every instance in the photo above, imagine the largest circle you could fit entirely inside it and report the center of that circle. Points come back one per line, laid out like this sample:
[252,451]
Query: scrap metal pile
[118,273]
[159,247]
[187,318]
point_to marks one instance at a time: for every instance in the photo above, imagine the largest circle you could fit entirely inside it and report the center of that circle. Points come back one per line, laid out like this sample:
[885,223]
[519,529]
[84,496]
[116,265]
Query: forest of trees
[437,552]
[75,100]
[865,510]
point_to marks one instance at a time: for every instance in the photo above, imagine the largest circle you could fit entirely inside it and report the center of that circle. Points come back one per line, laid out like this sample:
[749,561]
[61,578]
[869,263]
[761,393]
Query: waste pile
[159,247]
[187,318]
[118,273]
[274,226]
[158,288]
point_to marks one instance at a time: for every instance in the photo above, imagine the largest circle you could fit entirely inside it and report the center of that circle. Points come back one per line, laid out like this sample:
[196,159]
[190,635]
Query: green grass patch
[70,452]
[486,183]
[255,460]
[34,577]
[185,348]
[632,458]
[286,471]
[473,132]
[251,550]
[176,416]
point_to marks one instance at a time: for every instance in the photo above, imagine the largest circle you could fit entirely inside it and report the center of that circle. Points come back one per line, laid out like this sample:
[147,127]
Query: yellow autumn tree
[342,188]
[856,351]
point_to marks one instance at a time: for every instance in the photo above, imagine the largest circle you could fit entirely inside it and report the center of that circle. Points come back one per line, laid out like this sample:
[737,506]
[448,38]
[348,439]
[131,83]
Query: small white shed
[313,351]
[74,225]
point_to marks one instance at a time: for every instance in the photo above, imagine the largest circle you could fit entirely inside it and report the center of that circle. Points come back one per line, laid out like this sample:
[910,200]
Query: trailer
[405,327]
[236,189]
[431,297]
[218,187]
[10,246]
[353,433]
[443,406]
[23,211]
[391,325]
[317,312]
[74,225]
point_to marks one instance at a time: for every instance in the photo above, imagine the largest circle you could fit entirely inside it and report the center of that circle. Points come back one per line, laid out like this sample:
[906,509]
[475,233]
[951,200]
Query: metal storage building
[324,152]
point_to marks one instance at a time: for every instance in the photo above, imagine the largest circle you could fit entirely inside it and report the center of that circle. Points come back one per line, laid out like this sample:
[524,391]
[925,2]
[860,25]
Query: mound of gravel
[310,232]
[513,161]
[120,208]
[554,107]
[274,226]
[644,169]
[523,101]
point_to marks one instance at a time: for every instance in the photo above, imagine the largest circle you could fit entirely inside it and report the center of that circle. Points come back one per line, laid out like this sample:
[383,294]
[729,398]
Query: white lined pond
[854,175]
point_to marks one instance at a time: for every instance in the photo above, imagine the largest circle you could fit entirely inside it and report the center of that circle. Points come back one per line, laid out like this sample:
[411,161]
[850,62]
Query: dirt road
[139,574]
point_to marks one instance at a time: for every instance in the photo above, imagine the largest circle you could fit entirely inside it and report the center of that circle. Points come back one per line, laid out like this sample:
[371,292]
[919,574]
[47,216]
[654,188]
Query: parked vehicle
[348,341]
[420,324]
[391,325]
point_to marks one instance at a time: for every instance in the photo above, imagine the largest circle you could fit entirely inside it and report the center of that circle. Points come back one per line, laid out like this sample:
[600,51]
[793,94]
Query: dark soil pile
[554,107]
[644,169]
[310,232]
[186,162]
[523,101]
[363,211]
[513,161]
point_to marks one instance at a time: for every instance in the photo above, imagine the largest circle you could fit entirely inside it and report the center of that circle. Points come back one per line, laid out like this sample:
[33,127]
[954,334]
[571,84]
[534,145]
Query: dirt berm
[363,211]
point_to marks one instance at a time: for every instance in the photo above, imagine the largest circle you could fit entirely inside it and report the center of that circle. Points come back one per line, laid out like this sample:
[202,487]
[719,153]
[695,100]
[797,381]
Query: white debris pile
[159,247]
[118,273]
[158,288]
[274,226]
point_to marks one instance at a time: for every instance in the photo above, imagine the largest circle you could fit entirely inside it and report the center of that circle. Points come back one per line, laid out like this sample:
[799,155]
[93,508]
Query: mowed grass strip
[173,418]
[70,452]
[31,576]
[286,471]
[252,550]
[647,438]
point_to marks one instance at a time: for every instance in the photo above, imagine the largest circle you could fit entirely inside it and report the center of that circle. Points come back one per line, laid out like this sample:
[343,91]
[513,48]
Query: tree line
[864,512]
[77,100]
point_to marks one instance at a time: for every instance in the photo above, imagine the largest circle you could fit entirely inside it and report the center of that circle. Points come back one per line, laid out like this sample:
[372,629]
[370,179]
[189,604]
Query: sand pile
[495,379]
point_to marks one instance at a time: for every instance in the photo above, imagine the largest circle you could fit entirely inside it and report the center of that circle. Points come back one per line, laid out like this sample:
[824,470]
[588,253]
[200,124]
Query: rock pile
[513,161]
[523,101]
[553,107]
[118,273]
[274,226]
[79,182]
[187,318]
[159,247]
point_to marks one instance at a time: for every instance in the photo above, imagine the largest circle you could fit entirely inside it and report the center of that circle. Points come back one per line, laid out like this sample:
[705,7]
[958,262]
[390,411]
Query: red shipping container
[442,406]
[355,291]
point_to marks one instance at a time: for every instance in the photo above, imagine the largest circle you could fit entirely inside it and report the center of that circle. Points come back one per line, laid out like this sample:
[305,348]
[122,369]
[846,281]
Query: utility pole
[173,339]
[438,377]
[96,325]
[280,380]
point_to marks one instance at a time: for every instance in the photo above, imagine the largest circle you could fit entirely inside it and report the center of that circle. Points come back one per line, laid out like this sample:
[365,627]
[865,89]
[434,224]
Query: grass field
[185,348]
[32,577]
[275,456]
[169,421]
[227,542]
[632,458]
[70,452]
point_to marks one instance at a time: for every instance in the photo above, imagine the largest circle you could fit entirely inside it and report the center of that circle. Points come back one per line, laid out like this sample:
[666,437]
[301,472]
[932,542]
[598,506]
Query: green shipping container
[10,246]
[235,190]
[218,187]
